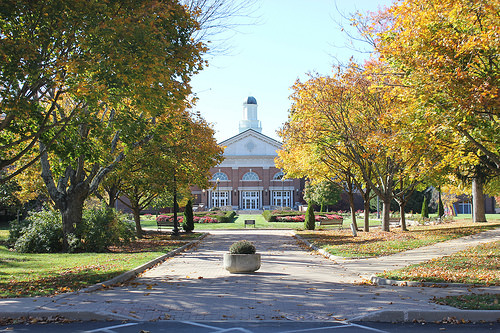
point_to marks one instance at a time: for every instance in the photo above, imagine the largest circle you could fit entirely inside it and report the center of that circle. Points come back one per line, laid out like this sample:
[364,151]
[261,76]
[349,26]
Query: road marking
[218,329]
[368,328]
[342,325]
[110,328]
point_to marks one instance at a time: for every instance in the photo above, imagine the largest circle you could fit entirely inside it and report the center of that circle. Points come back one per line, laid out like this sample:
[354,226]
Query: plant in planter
[242,258]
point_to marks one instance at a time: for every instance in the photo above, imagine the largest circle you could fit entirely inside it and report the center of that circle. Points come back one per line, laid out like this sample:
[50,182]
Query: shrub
[267,215]
[188,217]
[16,228]
[242,247]
[215,217]
[425,208]
[42,234]
[226,217]
[273,216]
[310,222]
[100,228]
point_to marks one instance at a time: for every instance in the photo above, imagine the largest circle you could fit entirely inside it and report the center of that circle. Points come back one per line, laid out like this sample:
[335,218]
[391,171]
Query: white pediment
[251,143]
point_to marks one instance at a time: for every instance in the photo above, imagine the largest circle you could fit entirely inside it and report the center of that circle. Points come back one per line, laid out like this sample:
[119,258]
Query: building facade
[248,179]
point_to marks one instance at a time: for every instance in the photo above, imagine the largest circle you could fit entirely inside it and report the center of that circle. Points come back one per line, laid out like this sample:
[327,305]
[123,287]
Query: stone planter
[241,263]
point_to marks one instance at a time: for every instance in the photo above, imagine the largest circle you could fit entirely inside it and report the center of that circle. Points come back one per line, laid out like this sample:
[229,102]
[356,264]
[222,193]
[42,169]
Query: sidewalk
[292,284]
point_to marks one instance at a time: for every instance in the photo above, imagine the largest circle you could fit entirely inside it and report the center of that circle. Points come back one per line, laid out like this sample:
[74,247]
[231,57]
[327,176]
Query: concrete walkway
[292,284]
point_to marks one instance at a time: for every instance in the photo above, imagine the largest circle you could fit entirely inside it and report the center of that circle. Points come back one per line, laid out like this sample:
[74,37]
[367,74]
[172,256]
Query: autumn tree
[322,193]
[352,118]
[447,55]
[42,57]
[167,163]
[139,61]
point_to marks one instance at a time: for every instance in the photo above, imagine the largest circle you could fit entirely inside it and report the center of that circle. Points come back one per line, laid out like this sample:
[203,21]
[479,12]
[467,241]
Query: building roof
[250,132]
[250,100]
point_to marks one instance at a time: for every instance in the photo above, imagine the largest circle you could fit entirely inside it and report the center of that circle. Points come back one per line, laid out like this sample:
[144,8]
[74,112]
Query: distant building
[248,179]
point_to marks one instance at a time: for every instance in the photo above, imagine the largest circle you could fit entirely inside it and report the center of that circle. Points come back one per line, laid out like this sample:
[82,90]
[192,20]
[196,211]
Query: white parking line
[110,328]
[343,325]
[218,329]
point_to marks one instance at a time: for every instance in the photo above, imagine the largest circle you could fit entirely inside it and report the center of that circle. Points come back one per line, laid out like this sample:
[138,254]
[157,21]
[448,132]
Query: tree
[322,193]
[137,70]
[42,57]
[351,122]
[310,221]
[447,56]
[167,164]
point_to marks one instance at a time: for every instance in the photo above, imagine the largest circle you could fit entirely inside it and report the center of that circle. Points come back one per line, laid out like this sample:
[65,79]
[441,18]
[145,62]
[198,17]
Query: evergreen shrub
[310,222]
[425,208]
[188,224]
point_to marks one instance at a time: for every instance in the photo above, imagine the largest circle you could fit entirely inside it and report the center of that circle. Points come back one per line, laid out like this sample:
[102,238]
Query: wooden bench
[164,224]
[394,220]
[331,222]
[249,222]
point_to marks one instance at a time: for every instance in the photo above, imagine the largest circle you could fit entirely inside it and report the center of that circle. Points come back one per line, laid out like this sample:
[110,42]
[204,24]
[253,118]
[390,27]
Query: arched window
[219,175]
[250,176]
[278,176]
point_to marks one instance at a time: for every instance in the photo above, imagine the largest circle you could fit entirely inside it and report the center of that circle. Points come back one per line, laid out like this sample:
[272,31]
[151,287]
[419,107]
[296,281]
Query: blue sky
[293,38]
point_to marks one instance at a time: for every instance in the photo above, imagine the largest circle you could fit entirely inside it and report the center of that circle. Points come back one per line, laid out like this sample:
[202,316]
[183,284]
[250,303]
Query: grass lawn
[476,265]
[472,302]
[27,274]
[379,243]
[149,222]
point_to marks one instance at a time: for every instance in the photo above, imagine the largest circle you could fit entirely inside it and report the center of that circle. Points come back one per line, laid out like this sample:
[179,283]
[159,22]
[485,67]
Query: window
[219,175]
[250,176]
[464,208]
[279,176]
[250,200]
[281,198]
[220,198]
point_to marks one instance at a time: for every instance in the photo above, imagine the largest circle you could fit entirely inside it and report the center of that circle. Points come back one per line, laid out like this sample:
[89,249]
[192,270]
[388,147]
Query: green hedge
[271,215]
[220,216]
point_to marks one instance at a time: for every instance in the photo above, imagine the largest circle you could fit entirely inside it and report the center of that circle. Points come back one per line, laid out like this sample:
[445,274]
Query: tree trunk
[367,215]
[478,212]
[353,211]
[71,213]
[175,232]
[386,212]
[112,196]
[402,214]
[137,219]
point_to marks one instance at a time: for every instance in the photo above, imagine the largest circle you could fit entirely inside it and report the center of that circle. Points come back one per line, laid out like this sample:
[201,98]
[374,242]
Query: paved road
[292,284]
[249,327]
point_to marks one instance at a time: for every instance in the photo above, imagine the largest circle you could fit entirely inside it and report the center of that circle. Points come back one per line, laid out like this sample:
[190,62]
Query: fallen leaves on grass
[472,301]
[381,243]
[476,265]
[49,274]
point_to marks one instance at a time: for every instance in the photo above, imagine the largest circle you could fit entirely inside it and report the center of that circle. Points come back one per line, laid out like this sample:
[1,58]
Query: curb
[402,283]
[315,248]
[70,315]
[449,316]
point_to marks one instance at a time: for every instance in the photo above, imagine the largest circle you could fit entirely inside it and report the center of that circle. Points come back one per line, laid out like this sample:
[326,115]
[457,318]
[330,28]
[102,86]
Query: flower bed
[202,217]
[301,218]
[169,218]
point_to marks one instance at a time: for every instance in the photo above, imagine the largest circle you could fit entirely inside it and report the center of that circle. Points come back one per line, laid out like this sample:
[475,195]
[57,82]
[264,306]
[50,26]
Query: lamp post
[218,193]
[282,189]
